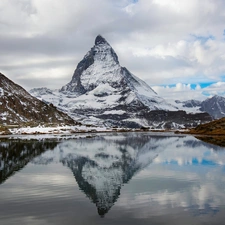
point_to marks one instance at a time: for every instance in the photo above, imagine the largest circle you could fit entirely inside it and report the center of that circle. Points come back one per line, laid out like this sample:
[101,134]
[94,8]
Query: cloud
[163,42]
[181,91]
[215,89]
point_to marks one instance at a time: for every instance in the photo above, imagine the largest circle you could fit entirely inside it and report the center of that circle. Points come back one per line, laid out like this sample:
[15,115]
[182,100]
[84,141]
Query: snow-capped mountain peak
[101,66]
[100,40]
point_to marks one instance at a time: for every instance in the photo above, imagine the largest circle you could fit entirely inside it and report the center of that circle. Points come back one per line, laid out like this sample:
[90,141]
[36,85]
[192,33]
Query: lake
[120,178]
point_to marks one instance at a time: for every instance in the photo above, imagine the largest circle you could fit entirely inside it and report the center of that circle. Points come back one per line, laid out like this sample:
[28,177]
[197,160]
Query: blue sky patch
[203,39]
[204,85]
[193,86]
[194,162]
[206,93]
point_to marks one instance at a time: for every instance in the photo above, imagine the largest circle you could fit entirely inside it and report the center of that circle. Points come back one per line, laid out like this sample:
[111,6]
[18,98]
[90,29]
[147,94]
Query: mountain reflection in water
[103,164]
[15,154]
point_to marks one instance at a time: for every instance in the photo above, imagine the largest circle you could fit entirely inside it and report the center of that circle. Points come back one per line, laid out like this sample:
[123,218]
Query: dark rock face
[100,40]
[192,103]
[177,117]
[75,84]
[18,106]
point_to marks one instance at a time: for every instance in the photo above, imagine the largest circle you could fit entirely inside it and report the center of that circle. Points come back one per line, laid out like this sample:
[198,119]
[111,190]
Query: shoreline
[218,140]
[72,130]
[90,132]
[75,129]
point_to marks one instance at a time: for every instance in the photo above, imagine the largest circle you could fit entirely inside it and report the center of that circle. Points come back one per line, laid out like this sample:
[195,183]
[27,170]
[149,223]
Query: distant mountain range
[17,106]
[214,106]
[103,93]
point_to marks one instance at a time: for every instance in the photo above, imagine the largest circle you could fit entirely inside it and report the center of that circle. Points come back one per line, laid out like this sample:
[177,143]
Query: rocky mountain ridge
[17,107]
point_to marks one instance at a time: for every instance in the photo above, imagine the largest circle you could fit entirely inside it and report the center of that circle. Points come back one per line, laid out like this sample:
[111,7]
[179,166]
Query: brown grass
[4,130]
[216,127]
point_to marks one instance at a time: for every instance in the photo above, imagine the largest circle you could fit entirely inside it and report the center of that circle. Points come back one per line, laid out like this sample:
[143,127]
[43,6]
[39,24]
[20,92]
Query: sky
[176,46]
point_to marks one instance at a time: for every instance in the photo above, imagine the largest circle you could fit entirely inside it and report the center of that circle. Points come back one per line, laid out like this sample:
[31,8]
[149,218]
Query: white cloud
[182,91]
[163,42]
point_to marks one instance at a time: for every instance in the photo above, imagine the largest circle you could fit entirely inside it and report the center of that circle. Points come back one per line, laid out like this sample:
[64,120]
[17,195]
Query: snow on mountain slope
[100,88]
[190,106]
[99,75]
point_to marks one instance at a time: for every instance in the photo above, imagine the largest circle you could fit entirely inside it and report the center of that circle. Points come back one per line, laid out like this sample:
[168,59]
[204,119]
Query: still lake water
[128,178]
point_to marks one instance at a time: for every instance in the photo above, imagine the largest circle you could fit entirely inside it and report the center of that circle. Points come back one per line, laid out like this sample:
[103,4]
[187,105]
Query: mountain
[103,87]
[102,92]
[100,74]
[214,106]
[19,107]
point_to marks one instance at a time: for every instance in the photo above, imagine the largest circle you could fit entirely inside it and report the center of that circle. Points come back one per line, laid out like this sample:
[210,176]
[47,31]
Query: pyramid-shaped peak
[100,40]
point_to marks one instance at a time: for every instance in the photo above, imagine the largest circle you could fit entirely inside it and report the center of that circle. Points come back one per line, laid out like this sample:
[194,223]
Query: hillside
[18,107]
[216,127]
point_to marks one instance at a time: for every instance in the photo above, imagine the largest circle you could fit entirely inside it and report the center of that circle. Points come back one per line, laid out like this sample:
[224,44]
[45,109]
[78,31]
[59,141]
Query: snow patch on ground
[142,122]
[102,89]
[57,130]
[117,112]
[64,130]
[1,92]
[187,109]
[91,101]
